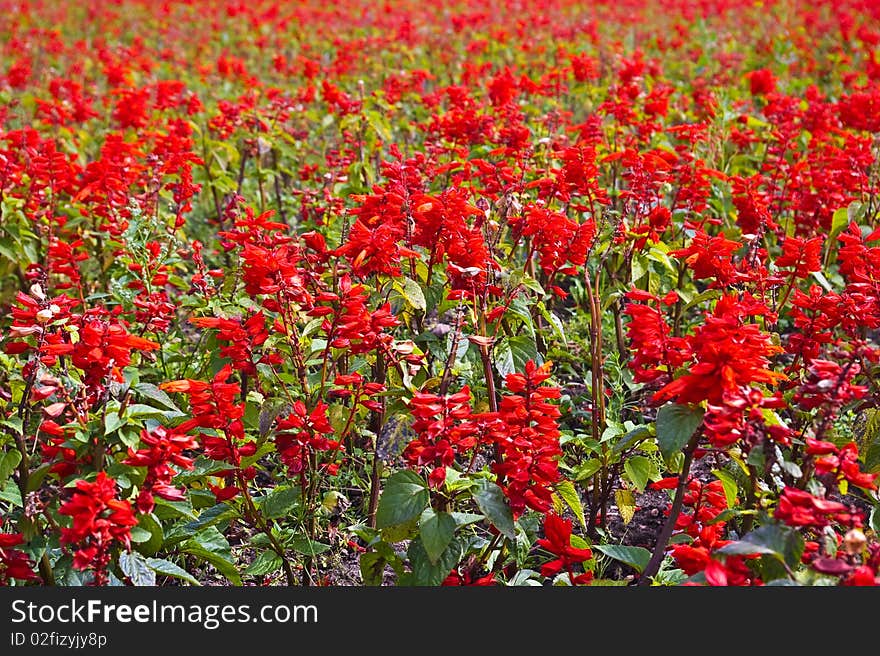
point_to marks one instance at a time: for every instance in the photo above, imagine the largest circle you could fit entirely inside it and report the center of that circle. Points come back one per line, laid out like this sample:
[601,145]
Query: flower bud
[854,541]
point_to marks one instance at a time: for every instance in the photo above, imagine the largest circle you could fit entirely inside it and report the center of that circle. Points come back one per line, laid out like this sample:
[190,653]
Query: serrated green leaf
[112,422]
[280,502]
[403,499]
[641,470]
[11,494]
[8,462]
[783,543]
[155,394]
[491,502]
[167,568]
[436,529]
[512,353]
[566,490]
[631,438]
[266,563]
[303,545]
[676,424]
[636,557]
[135,567]
[730,485]
[463,519]
[428,573]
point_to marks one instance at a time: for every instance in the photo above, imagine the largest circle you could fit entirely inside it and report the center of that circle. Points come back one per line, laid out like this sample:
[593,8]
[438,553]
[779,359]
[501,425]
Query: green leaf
[155,394]
[413,294]
[404,498]
[842,217]
[437,529]
[626,504]
[400,532]
[137,569]
[556,322]
[379,123]
[303,545]
[730,485]
[14,423]
[512,353]
[569,494]
[783,543]
[11,494]
[586,469]
[427,573]
[8,462]
[112,422]
[870,442]
[37,476]
[213,515]
[490,500]
[167,568]
[222,565]
[631,438]
[635,557]
[372,566]
[822,280]
[280,502]
[463,519]
[266,563]
[640,470]
[211,546]
[154,537]
[520,307]
[676,424]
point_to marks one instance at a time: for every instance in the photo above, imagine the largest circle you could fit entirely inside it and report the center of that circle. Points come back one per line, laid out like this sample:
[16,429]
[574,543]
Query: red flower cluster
[243,337]
[445,428]
[213,405]
[527,437]
[100,522]
[729,354]
[350,324]
[706,501]
[163,448]
[13,563]
[557,540]
[799,508]
[656,352]
[840,463]
[302,433]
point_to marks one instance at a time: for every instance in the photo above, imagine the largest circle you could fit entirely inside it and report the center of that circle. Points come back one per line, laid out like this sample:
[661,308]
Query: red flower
[527,436]
[656,352]
[214,405]
[163,448]
[761,82]
[243,337]
[100,521]
[302,433]
[730,354]
[803,256]
[444,429]
[13,563]
[557,540]
[457,578]
[799,508]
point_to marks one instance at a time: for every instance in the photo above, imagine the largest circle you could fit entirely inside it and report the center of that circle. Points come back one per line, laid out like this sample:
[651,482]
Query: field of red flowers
[466,292]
